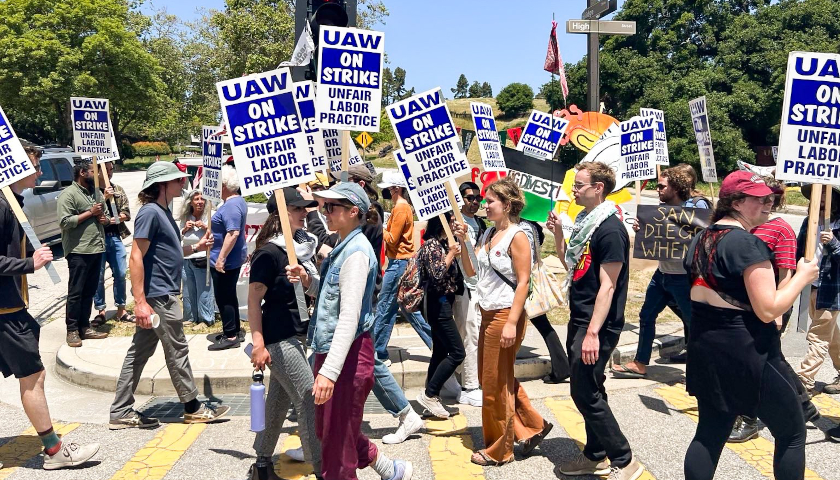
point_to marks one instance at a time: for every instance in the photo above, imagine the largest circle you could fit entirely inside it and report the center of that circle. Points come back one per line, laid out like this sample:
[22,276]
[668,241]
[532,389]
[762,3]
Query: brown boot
[91,334]
[73,339]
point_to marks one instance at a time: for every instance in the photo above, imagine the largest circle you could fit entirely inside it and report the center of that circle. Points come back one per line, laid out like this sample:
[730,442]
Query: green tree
[461,89]
[552,92]
[486,90]
[399,84]
[387,86]
[52,50]
[475,90]
[515,99]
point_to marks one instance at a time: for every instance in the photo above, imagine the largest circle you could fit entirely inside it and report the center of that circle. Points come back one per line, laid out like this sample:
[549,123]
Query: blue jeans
[387,390]
[386,311]
[198,296]
[662,288]
[115,256]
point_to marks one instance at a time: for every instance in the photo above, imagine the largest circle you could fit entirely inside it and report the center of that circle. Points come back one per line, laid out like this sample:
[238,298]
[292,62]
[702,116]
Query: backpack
[410,292]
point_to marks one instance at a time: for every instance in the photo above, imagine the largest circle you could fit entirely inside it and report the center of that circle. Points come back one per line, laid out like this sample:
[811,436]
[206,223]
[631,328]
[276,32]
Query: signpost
[599,9]
[609,27]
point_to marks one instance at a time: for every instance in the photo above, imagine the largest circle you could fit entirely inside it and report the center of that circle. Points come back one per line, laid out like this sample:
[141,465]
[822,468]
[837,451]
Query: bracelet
[193,248]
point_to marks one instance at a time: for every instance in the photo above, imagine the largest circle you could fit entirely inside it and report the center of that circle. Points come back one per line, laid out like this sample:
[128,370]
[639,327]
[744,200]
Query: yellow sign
[364,139]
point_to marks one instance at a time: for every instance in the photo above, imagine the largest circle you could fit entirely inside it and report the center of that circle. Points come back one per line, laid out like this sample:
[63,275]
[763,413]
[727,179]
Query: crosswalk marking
[757,453]
[157,457]
[450,449]
[288,468]
[571,420]
[829,407]
[16,453]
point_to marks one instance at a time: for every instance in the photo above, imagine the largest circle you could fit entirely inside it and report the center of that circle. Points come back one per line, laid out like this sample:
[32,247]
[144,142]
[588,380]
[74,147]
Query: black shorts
[19,335]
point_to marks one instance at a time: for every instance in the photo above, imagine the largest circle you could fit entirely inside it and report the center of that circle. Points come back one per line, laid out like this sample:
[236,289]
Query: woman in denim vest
[339,335]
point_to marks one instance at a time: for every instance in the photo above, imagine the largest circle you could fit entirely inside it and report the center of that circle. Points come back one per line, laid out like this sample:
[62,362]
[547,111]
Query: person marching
[156,265]
[20,333]
[504,270]
[597,257]
[279,336]
[735,365]
[339,335]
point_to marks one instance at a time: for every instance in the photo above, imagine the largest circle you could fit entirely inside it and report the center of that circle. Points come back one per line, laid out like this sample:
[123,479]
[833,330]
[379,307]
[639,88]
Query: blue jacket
[828,289]
[328,302]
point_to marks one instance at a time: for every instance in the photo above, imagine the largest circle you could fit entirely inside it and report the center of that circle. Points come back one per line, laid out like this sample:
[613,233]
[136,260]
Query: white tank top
[493,292]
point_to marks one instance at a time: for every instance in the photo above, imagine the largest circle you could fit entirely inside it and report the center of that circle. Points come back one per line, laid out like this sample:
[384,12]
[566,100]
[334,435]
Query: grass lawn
[126,329]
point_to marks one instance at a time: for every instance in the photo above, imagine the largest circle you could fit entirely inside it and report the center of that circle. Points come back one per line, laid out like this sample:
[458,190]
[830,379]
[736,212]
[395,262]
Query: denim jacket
[828,281]
[328,302]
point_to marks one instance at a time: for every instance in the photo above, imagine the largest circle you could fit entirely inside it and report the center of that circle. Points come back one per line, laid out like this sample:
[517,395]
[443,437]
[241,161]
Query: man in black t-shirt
[597,258]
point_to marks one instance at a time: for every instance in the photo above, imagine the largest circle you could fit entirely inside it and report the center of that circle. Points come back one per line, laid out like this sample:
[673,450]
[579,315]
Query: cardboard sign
[428,138]
[332,140]
[489,146]
[660,138]
[91,126]
[428,202]
[666,231]
[115,150]
[349,78]
[703,135]
[305,98]
[809,141]
[542,135]
[268,142]
[14,162]
[637,149]
[211,176]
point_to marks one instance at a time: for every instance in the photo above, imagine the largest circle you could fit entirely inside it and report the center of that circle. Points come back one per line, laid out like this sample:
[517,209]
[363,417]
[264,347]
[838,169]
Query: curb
[663,347]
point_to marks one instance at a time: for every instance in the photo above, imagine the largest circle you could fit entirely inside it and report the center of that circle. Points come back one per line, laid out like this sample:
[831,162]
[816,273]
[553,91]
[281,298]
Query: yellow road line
[153,461]
[288,468]
[829,407]
[16,453]
[757,453]
[571,420]
[450,449]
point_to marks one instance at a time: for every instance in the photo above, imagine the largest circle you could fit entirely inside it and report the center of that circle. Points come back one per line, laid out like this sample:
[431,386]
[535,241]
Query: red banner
[554,61]
[514,134]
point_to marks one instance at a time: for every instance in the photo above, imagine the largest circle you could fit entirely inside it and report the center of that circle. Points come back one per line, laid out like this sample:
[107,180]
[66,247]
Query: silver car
[40,203]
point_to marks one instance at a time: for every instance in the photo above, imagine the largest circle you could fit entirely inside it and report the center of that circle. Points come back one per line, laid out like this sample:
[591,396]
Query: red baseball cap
[744,182]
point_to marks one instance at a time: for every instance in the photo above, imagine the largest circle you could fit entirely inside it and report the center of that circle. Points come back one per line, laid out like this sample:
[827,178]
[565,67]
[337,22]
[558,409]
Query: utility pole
[593,66]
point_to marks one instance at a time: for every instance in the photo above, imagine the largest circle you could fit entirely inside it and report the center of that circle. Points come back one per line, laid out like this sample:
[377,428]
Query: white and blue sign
[489,145]
[809,142]
[115,150]
[428,138]
[350,65]
[269,145]
[305,98]
[429,202]
[637,149]
[660,138]
[541,136]
[211,176]
[91,126]
[14,162]
[703,135]
[332,141]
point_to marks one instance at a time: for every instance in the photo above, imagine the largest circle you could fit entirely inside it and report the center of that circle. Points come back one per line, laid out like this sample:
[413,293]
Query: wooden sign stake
[638,192]
[208,205]
[456,210]
[27,229]
[345,156]
[712,189]
[813,221]
[827,212]
[449,235]
[283,212]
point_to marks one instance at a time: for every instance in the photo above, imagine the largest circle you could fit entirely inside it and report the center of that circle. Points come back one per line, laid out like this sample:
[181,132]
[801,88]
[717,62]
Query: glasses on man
[580,185]
[473,198]
[329,207]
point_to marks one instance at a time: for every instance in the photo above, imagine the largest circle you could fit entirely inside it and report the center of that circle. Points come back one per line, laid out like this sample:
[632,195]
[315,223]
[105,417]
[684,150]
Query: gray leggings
[290,383]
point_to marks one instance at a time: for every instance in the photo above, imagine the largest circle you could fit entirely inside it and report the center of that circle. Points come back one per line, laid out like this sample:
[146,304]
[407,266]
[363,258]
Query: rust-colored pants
[506,414]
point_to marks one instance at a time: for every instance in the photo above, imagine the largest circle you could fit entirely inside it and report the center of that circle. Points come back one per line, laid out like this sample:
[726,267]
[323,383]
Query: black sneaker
[745,429]
[833,434]
[679,358]
[214,337]
[225,343]
[133,419]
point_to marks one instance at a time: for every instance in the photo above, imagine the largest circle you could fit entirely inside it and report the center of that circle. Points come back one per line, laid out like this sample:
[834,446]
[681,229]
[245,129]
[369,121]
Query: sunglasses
[473,198]
[329,207]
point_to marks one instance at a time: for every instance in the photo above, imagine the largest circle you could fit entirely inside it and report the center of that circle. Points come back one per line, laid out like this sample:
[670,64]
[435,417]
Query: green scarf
[581,233]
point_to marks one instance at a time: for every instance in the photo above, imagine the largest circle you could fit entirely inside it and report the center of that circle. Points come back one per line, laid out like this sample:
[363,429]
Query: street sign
[600,10]
[364,139]
[610,27]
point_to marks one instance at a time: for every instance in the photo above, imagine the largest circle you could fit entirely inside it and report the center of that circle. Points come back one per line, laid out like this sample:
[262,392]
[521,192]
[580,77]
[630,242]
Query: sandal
[127,318]
[529,445]
[622,371]
[480,458]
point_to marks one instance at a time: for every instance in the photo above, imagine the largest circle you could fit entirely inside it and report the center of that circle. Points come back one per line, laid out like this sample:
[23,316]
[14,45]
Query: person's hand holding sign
[826,237]
[42,256]
[96,210]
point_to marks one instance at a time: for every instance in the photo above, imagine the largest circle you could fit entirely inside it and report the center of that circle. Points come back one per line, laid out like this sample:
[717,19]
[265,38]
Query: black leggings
[559,361]
[224,287]
[447,346]
[777,408]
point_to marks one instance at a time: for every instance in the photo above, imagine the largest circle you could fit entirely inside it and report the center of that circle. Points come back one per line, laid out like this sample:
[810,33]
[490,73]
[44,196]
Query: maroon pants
[338,423]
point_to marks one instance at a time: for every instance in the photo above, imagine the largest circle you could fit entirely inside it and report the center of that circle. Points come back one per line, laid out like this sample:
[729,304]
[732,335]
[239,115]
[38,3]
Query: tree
[553,94]
[387,86]
[475,90]
[461,89]
[515,99]
[52,50]
[486,90]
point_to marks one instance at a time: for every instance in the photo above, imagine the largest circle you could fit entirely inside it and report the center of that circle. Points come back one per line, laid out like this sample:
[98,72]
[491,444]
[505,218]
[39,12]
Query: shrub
[515,99]
[150,149]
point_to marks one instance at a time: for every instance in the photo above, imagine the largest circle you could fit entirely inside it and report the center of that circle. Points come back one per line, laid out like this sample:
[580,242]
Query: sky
[435,41]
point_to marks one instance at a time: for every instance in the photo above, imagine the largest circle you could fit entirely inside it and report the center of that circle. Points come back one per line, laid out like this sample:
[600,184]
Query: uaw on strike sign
[91,126]
[14,162]
[305,98]
[349,78]
[211,153]
[428,138]
[637,149]
[269,145]
[809,142]
[489,145]
[542,135]
[427,202]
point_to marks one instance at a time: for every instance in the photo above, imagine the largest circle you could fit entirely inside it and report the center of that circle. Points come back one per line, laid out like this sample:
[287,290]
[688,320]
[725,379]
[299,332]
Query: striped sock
[52,444]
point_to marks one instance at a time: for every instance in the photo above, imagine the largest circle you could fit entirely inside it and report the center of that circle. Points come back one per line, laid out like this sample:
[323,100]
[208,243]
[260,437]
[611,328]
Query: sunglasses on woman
[329,207]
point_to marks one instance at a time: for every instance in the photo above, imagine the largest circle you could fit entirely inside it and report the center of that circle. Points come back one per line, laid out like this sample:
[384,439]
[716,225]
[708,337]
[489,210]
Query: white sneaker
[471,397]
[451,388]
[70,455]
[387,362]
[295,454]
[410,424]
[433,405]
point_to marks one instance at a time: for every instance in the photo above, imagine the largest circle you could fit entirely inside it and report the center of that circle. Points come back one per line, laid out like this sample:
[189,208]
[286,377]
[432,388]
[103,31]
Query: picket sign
[703,136]
[489,146]
[305,98]
[29,231]
[93,135]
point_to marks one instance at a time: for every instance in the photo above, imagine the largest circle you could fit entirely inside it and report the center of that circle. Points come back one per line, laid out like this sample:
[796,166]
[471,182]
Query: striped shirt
[779,236]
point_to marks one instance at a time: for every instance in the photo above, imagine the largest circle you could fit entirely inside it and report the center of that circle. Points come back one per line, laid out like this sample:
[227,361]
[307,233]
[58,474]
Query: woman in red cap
[735,364]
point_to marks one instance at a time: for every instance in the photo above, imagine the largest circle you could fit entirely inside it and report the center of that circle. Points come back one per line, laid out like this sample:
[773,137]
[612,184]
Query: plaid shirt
[828,282]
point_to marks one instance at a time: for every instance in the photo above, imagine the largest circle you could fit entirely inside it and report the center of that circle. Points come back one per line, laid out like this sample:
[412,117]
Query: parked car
[40,203]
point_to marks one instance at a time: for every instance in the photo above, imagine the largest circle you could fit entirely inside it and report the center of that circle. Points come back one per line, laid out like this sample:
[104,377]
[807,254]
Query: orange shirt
[399,232]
